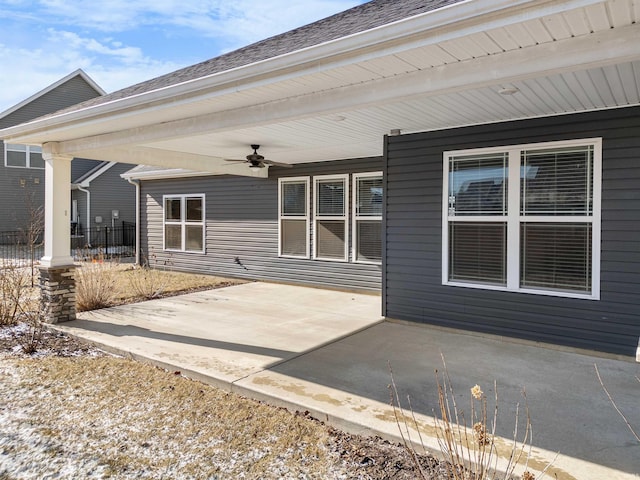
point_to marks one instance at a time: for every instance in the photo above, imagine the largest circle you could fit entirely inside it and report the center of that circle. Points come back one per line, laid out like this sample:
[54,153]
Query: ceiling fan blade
[234,160]
[277,164]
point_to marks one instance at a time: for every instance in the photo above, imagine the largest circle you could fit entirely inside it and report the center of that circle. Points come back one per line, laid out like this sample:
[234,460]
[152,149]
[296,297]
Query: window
[184,223]
[367,217]
[524,218]
[330,217]
[23,156]
[293,228]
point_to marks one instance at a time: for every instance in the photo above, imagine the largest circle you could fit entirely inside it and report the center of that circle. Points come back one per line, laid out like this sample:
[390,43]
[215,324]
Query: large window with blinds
[330,217]
[293,228]
[184,223]
[367,217]
[524,218]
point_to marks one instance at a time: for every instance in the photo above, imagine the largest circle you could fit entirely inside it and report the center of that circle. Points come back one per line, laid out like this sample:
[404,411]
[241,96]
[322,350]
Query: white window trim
[306,217]
[513,218]
[183,222]
[27,153]
[356,217]
[344,217]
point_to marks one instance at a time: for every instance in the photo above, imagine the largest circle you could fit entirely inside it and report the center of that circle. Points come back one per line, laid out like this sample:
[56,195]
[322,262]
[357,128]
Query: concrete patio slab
[229,333]
[329,353]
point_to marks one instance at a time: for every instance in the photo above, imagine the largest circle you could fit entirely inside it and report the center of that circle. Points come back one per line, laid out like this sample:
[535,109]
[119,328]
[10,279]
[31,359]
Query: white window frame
[183,223]
[29,149]
[514,219]
[307,217]
[317,218]
[356,217]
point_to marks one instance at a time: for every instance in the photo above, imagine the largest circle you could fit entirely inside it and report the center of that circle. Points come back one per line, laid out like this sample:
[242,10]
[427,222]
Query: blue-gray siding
[242,223]
[110,192]
[413,289]
[73,91]
[19,184]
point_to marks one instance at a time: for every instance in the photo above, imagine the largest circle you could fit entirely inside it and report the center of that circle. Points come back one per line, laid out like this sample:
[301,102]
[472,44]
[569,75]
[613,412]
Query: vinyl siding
[413,289]
[75,90]
[242,223]
[18,199]
[110,192]
[14,213]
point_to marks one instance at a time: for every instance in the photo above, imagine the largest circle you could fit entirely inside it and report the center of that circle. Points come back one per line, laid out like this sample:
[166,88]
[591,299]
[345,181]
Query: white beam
[57,222]
[572,54]
[171,159]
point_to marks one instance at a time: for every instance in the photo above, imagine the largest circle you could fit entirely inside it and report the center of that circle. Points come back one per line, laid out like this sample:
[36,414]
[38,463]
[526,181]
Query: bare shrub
[468,447]
[14,282]
[148,281]
[95,285]
[32,338]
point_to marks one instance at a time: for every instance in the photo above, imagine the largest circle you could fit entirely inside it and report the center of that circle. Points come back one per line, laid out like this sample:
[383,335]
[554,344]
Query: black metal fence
[104,242]
[20,247]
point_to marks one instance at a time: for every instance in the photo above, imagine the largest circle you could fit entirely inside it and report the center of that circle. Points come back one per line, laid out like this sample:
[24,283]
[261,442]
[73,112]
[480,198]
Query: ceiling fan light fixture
[256,168]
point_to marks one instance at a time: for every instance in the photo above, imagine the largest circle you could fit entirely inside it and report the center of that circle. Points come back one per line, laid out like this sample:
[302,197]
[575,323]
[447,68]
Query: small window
[524,218]
[293,228]
[367,217]
[23,156]
[330,217]
[184,223]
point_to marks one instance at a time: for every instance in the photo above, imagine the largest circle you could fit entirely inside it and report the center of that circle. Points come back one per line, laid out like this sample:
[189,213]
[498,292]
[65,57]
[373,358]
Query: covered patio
[332,90]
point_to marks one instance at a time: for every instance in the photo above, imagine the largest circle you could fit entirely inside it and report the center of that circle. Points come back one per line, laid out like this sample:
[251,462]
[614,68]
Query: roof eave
[451,16]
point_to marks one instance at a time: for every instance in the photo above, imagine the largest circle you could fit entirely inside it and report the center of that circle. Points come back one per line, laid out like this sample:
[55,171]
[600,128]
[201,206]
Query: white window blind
[330,217]
[368,195]
[524,218]
[294,217]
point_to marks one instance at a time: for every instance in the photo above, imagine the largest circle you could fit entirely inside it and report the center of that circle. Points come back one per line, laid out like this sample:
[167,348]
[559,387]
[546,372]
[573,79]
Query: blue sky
[121,42]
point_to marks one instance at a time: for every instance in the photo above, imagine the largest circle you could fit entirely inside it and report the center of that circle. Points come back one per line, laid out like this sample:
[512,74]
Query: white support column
[57,205]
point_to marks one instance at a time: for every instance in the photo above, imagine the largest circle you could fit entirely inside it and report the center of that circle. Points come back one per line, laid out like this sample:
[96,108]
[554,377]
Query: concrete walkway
[328,352]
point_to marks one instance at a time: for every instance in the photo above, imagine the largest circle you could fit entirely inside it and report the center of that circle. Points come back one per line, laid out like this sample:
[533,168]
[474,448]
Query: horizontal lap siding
[242,223]
[414,289]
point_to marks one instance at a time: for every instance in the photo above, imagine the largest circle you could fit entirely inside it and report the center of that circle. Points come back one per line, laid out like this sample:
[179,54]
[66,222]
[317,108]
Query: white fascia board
[35,96]
[453,21]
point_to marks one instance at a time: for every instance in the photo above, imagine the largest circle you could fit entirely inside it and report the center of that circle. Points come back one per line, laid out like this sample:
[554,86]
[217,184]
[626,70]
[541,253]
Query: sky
[122,42]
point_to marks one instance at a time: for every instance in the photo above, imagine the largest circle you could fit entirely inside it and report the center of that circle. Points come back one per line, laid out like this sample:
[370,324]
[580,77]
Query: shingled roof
[358,19]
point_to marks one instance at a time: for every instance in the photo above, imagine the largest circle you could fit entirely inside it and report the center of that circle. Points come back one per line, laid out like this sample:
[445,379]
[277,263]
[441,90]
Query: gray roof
[358,19]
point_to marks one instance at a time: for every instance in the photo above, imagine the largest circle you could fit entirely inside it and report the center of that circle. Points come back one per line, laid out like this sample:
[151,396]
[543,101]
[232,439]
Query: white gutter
[82,189]
[446,23]
[137,184]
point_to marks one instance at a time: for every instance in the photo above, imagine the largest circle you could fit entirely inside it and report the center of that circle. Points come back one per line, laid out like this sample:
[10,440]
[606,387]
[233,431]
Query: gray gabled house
[96,184]
[474,162]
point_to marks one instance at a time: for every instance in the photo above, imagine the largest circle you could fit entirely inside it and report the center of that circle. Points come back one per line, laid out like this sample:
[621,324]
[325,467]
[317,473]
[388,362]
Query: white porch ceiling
[562,56]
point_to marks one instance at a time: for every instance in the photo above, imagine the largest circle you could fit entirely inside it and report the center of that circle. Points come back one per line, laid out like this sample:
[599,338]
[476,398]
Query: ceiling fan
[257,161]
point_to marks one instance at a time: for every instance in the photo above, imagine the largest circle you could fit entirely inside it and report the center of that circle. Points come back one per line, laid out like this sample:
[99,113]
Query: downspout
[82,189]
[137,184]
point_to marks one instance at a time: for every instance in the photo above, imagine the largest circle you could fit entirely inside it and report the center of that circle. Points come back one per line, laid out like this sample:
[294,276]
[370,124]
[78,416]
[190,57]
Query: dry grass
[144,422]
[105,284]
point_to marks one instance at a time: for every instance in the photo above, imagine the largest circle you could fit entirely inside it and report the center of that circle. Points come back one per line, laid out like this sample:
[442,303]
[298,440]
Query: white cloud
[111,64]
[120,42]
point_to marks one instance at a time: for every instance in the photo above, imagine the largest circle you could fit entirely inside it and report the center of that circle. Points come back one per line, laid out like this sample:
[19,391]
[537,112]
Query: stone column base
[58,293]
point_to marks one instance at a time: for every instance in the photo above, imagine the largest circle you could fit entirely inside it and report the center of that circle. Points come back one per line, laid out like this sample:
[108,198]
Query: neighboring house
[22,167]
[474,161]
[100,199]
